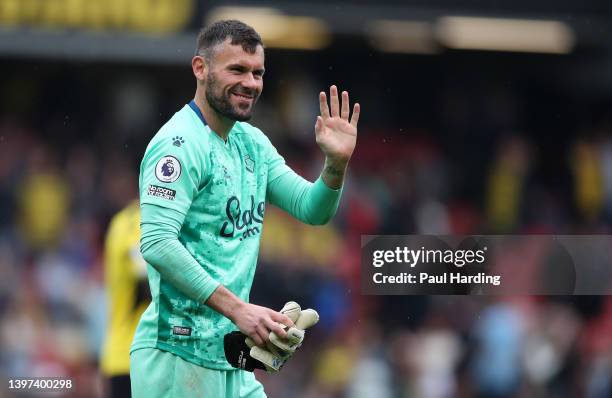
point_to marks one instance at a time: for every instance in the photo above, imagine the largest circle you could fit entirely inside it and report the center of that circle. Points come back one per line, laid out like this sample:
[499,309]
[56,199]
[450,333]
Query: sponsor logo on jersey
[161,192]
[181,331]
[168,169]
[243,223]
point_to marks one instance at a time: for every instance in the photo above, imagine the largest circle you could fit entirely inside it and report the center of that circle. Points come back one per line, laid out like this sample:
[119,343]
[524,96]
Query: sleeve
[312,203]
[170,177]
[161,248]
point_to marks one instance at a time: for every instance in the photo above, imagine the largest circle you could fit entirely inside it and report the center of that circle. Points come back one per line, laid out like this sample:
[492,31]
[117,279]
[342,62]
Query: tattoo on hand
[332,171]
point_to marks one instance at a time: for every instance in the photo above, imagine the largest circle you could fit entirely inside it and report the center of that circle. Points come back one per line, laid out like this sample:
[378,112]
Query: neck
[219,124]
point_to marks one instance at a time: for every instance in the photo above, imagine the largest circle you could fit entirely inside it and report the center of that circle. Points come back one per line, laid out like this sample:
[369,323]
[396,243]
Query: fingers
[260,335]
[277,328]
[335,108]
[282,318]
[273,324]
[319,125]
[334,102]
[256,338]
[355,117]
[323,105]
[345,106]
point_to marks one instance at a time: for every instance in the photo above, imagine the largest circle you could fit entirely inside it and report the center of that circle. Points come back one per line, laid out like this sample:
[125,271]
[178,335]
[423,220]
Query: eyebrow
[241,66]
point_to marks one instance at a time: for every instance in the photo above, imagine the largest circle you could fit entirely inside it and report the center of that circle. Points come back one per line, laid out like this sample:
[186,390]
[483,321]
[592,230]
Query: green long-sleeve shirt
[202,207]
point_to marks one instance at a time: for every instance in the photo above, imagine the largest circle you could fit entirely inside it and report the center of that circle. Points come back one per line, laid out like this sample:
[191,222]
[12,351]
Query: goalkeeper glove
[241,352]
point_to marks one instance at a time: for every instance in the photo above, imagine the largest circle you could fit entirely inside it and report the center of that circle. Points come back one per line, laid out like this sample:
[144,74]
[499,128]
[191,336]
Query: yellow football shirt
[124,273]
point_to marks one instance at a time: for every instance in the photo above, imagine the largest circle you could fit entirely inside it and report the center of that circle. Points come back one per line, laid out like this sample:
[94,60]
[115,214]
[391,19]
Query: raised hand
[336,135]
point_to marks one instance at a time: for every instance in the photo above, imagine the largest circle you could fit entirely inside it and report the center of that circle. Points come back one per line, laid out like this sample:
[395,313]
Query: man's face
[234,80]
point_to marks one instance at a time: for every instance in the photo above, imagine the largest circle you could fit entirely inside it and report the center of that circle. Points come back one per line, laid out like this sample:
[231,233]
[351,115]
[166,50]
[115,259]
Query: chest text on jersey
[239,221]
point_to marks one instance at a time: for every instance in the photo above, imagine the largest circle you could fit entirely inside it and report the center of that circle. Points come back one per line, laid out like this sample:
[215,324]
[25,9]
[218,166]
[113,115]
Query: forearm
[225,302]
[161,248]
[312,203]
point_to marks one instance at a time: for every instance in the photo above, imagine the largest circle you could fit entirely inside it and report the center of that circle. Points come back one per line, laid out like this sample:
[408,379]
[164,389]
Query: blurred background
[479,117]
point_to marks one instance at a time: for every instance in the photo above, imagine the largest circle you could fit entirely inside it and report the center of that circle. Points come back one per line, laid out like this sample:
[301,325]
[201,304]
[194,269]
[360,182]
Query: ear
[198,65]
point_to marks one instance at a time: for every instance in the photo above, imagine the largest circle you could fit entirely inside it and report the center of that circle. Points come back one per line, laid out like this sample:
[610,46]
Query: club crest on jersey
[249,163]
[168,169]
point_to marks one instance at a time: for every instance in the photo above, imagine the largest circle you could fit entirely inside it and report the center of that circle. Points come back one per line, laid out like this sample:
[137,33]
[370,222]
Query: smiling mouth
[243,96]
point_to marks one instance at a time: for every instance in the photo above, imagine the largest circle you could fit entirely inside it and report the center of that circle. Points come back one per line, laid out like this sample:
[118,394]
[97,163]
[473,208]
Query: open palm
[335,134]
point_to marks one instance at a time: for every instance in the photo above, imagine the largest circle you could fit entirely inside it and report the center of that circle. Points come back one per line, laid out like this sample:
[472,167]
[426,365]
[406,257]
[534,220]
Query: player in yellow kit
[128,296]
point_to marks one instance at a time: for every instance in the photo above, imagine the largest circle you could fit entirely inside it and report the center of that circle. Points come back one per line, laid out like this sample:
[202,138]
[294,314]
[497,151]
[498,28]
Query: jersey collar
[197,111]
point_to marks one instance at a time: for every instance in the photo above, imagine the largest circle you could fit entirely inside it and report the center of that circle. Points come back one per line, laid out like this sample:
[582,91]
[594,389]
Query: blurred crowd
[67,169]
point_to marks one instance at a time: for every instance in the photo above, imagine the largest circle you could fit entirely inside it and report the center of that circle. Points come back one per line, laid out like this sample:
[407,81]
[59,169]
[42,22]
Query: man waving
[204,182]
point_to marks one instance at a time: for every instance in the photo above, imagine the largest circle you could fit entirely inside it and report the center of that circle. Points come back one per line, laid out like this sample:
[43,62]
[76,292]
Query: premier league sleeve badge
[168,169]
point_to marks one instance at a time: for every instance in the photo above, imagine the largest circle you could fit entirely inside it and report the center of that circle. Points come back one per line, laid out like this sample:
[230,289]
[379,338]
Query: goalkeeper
[204,181]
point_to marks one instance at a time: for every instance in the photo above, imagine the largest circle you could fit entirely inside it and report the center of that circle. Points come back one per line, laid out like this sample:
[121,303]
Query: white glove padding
[278,350]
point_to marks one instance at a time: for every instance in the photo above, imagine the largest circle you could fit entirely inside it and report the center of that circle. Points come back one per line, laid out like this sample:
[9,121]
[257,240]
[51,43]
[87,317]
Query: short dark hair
[218,32]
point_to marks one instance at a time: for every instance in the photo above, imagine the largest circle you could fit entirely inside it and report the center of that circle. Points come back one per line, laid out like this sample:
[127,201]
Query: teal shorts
[156,373]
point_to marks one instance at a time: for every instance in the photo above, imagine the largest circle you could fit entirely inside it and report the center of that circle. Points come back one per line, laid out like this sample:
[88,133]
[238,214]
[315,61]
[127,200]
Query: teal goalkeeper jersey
[220,187]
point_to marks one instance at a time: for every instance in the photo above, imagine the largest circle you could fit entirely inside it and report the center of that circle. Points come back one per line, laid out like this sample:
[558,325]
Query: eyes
[239,69]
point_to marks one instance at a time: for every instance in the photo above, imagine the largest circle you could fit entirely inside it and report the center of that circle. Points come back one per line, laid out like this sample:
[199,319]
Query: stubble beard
[221,102]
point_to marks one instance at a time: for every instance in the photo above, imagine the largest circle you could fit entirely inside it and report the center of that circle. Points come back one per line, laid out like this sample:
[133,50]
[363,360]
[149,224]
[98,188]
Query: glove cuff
[237,352]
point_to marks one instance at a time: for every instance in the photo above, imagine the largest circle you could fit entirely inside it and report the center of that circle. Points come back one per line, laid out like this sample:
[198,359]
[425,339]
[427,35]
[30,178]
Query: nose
[252,82]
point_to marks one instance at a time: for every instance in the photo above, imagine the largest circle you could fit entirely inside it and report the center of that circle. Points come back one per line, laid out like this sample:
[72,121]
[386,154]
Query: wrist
[333,172]
[226,303]
[235,308]
[336,163]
